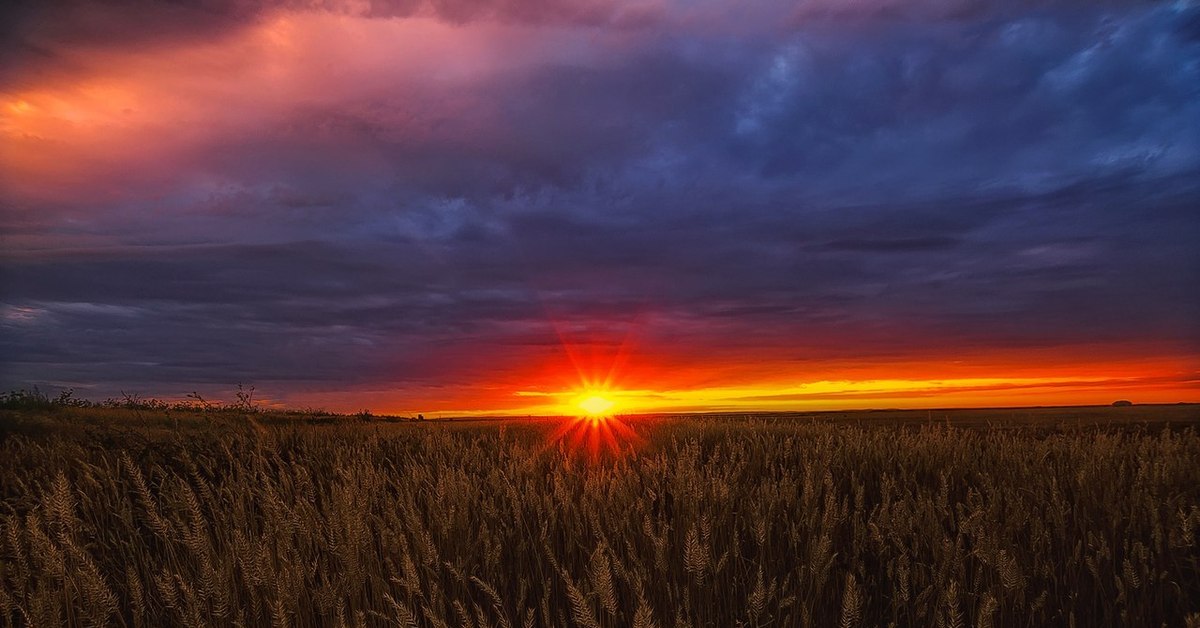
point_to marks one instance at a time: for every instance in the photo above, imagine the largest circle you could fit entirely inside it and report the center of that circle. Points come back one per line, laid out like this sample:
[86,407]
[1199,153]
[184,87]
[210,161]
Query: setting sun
[595,405]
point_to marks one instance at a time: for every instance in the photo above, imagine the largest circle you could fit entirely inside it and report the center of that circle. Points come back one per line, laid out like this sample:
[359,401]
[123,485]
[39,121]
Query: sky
[494,206]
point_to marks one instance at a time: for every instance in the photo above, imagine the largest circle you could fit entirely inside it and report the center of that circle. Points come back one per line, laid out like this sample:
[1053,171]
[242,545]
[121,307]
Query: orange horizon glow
[1029,378]
[612,373]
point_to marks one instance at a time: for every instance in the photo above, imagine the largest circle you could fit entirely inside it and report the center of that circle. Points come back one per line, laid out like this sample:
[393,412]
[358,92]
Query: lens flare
[596,435]
[592,425]
[594,408]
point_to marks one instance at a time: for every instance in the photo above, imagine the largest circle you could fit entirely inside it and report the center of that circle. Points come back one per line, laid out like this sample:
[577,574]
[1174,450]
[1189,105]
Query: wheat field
[149,519]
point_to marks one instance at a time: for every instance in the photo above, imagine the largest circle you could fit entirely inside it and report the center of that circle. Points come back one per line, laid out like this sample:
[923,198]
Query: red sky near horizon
[645,383]
[491,207]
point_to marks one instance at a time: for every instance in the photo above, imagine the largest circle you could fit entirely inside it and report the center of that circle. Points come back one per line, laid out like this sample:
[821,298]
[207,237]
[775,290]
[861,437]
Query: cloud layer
[424,201]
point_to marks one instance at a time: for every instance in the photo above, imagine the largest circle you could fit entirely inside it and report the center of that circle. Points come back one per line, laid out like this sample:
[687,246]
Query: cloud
[416,194]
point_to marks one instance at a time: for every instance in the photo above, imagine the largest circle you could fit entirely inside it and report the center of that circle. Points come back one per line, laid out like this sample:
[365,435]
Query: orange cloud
[128,114]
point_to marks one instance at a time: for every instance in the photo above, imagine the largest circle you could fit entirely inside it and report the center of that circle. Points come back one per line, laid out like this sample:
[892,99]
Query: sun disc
[595,405]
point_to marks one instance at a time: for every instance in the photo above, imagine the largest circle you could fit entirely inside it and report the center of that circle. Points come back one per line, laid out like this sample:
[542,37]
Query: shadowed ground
[1011,517]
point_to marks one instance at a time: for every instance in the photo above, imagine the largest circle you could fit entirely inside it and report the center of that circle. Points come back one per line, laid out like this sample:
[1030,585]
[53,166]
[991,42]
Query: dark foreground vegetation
[142,517]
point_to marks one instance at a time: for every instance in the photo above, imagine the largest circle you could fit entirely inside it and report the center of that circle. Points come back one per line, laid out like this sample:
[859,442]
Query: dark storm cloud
[957,174]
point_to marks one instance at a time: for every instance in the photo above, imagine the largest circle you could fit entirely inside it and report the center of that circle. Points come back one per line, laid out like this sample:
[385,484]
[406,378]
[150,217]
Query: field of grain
[158,518]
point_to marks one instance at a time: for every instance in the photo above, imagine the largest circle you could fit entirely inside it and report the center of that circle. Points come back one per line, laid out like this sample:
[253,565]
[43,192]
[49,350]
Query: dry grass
[712,523]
